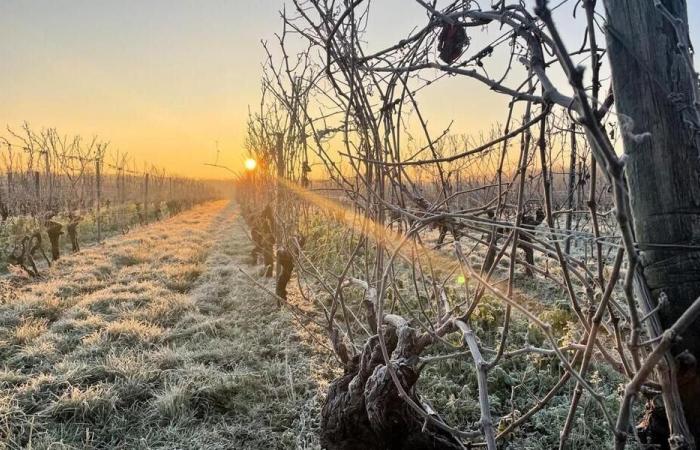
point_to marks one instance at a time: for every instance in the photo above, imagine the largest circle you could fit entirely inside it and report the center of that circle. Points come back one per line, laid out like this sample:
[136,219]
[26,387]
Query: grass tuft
[93,404]
[29,330]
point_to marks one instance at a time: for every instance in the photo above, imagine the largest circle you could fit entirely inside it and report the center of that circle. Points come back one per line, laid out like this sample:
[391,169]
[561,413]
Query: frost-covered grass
[114,220]
[450,385]
[156,340]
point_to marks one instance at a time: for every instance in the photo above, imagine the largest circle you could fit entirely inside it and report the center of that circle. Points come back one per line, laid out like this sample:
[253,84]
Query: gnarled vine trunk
[363,409]
[54,230]
[72,229]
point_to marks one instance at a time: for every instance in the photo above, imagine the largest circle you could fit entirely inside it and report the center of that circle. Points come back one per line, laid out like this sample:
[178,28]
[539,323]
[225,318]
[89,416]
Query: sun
[250,164]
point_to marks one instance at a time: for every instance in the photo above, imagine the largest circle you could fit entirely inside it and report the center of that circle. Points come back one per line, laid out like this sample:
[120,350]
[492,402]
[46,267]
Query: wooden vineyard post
[572,187]
[98,185]
[49,182]
[145,199]
[37,189]
[280,169]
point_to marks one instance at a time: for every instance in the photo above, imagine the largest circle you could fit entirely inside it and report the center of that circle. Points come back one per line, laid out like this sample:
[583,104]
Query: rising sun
[250,164]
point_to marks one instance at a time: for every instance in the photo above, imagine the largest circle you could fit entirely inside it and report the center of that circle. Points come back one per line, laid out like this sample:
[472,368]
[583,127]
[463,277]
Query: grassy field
[157,340]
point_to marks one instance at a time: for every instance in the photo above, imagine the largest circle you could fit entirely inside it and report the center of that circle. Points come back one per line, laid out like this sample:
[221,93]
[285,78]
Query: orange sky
[164,79]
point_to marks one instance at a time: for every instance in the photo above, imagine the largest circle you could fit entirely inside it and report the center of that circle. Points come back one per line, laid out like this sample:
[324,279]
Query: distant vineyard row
[57,191]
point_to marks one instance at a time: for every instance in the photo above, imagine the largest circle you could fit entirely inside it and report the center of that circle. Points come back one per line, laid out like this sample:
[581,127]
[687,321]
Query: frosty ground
[157,339]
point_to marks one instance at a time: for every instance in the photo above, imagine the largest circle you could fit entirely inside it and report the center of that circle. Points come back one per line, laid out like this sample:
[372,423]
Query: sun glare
[250,164]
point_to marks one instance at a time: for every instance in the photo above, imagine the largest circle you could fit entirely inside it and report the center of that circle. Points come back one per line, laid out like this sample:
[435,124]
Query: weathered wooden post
[656,97]
[145,199]
[37,189]
[98,195]
[49,181]
[4,208]
[572,186]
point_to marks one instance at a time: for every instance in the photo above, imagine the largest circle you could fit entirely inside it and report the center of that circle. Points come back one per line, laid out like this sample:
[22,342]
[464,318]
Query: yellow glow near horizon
[250,164]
